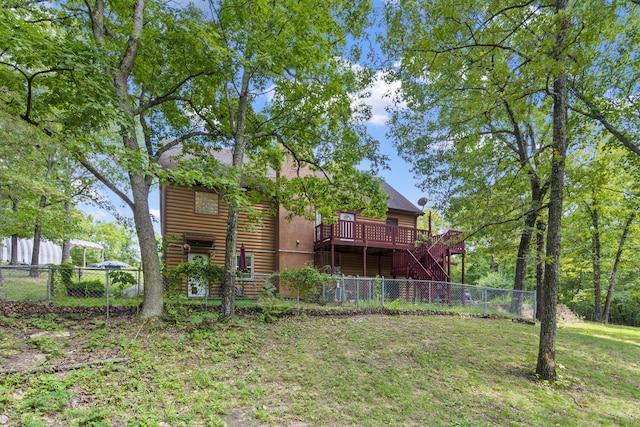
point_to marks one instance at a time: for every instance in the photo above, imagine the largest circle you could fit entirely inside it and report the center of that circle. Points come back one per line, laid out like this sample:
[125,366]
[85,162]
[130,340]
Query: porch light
[186,248]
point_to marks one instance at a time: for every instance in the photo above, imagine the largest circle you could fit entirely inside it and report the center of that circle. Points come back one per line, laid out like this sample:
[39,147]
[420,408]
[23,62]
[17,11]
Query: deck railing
[427,269]
[349,232]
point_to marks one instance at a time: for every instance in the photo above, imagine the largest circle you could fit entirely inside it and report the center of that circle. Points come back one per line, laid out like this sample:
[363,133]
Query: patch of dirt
[24,360]
[29,348]
[19,308]
[242,417]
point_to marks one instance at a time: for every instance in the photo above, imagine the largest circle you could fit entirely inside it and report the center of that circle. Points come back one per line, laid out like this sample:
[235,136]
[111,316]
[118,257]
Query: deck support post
[333,261]
[364,261]
[462,279]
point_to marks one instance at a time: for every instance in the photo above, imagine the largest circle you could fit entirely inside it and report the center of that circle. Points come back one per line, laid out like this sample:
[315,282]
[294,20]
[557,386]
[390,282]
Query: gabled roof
[398,202]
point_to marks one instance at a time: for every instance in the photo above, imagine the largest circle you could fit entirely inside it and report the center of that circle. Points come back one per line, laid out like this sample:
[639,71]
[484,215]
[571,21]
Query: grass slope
[361,370]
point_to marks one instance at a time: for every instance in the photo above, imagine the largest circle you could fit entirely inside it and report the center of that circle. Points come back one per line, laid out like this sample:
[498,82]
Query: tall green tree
[112,73]
[284,98]
[601,214]
[250,77]
[461,63]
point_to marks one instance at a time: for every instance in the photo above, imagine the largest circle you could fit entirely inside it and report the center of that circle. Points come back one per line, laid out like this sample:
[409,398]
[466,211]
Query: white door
[196,286]
[346,225]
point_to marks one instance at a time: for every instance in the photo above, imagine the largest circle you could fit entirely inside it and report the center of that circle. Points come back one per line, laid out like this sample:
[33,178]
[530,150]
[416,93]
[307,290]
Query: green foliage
[271,308]
[48,322]
[121,280]
[625,306]
[117,239]
[199,271]
[8,321]
[91,417]
[65,271]
[495,279]
[305,280]
[45,394]
[199,317]
[50,346]
[86,289]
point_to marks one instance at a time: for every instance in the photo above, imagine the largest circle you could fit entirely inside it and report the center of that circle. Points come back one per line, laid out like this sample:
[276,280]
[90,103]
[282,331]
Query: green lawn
[307,371]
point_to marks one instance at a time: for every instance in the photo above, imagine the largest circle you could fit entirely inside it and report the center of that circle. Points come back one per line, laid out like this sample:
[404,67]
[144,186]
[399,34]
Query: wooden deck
[373,235]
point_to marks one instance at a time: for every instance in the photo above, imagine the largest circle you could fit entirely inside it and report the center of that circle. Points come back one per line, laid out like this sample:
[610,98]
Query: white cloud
[98,214]
[381,99]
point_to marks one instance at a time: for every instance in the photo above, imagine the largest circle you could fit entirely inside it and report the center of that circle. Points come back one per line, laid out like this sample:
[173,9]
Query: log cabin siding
[351,264]
[180,217]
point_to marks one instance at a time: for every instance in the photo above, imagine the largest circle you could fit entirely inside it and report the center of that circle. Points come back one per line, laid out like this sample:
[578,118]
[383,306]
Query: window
[391,223]
[206,203]
[248,275]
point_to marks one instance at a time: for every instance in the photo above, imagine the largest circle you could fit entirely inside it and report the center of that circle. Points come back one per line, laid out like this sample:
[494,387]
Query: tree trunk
[14,239]
[1,240]
[239,147]
[66,251]
[546,366]
[540,264]
[614,269]
[66,243]
[596,263]
[228,286]
[524,247]
[37,237]
[14,250]
[37,232]
[153,304]
[521,268]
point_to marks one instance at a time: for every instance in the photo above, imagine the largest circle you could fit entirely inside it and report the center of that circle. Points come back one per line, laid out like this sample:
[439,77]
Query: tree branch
[103,179]
[596,114]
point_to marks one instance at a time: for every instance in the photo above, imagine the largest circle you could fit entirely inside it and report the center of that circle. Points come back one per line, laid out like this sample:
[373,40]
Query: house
[193,222]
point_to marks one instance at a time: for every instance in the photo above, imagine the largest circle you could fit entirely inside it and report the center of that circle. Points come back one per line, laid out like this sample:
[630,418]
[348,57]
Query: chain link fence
[381,292]
[81,286]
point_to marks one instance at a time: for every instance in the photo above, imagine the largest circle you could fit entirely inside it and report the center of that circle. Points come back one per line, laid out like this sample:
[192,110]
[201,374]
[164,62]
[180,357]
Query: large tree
[284,96]
[461,64]
[113,73]
[247,76]
[600,216]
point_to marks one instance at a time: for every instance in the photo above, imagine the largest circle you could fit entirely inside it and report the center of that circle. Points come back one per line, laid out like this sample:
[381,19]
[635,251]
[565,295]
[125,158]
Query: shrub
[199,270]
[306,280]
[120,280]
[66,273]
[86,289]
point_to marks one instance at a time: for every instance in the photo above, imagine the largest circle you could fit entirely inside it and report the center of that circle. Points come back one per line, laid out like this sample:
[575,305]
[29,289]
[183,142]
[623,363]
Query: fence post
[382,290]
[107,290]
[535,306]
[357,290]
[50,284]
[484,299]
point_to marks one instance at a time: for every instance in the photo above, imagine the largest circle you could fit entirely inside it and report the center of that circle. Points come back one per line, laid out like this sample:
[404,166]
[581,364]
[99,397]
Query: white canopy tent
[87,245]
[50,253]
